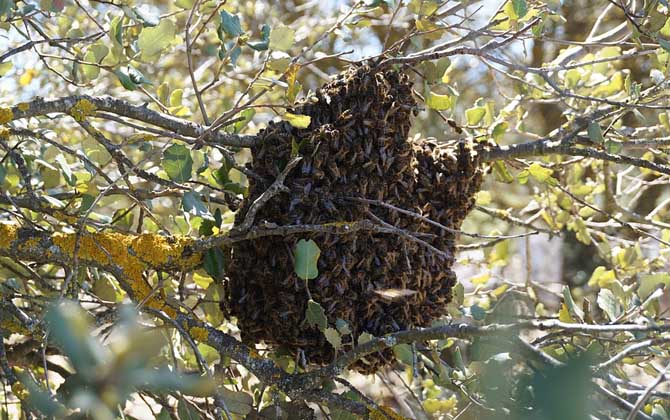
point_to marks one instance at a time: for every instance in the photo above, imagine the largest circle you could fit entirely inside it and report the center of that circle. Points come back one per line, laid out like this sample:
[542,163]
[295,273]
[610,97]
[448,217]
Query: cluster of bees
[356,146]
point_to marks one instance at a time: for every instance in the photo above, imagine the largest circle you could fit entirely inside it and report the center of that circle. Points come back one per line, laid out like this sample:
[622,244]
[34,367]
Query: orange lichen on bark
[377,414]
[20,391]
[133,254]
[7,234]
[6,115]
[82,109]
[199,334]
[29,244]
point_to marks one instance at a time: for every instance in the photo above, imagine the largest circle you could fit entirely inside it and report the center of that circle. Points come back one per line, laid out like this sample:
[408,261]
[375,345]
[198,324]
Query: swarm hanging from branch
[356,147]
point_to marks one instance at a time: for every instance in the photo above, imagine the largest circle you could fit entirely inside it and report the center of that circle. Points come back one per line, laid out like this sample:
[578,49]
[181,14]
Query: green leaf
[69,329]
[192,203]
[95,54]
[65,168]
[246,116]
[116,31]
[501,172]
[282,38]
[86,203]
[342,326]
[475,114]
[186,411]
[570,303]
[572,77]
[184,4]
[239,403]
[650,282]
[178,163]
[609,304]
[264,43]
[315,315]
[231,24]
[306,255]
[131,78]
[137,77]
[5,67]
[214,263]
[365,337]
[333,337]
[520,8]
[6,7]
[595,132]
[539,172]
[613,147]
[434,71]
[664,44]
[153,40]
[601,277]
[439,102]
[297,120]
[477,312]
[403,352]
[499,130]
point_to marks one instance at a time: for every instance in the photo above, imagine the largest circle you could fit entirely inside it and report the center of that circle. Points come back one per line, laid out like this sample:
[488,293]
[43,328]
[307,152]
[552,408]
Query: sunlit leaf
[153,40]
[282,38]
[298,121]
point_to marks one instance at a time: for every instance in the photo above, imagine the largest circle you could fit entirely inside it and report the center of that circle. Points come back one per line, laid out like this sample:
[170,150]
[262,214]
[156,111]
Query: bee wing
[394,294]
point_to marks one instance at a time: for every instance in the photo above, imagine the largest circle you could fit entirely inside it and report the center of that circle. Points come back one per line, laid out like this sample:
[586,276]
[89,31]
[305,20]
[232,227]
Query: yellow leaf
[27,77]
[564,314]
[297,120]
[483,198]
[480,279]
[439,102]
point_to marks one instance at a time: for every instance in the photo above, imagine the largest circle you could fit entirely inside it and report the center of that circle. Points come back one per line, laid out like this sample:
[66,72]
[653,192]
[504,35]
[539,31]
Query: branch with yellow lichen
[128,256]
[125,256]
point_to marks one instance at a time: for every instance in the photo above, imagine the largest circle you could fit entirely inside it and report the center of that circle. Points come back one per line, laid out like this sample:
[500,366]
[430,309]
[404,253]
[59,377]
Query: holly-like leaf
[282,38]
[192,203]
[333,337]
[315,315]
[306,255]
[595,132]
[342,326]
[264,43]
[608,302]
[230,24]
[178,163]
[213,263]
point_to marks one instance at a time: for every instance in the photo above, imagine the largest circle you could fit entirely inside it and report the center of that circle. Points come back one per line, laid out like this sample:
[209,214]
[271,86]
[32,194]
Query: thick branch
[39,107]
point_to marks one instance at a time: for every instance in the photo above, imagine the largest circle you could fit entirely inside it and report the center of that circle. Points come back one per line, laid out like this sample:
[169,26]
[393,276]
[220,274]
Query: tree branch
[39,106]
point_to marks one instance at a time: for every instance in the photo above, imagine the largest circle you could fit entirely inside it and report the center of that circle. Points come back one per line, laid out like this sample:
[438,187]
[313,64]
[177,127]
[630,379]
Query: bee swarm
[355,146]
